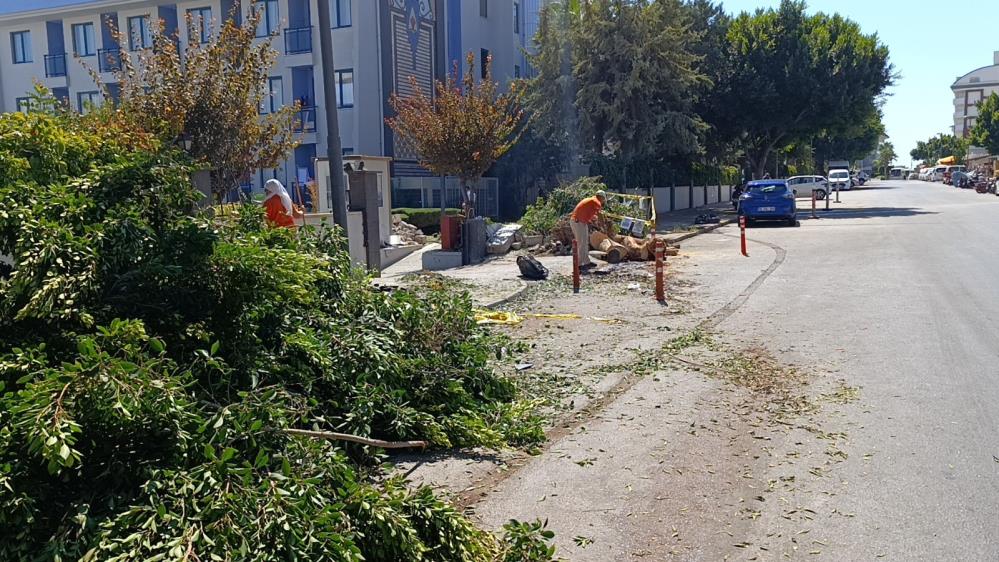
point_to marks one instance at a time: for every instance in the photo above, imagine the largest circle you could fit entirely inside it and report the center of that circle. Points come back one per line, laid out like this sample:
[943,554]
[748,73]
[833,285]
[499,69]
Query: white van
[839,180]
[938,173]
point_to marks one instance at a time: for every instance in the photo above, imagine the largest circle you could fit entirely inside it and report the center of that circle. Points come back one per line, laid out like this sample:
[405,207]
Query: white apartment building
[971,89]
[378,46]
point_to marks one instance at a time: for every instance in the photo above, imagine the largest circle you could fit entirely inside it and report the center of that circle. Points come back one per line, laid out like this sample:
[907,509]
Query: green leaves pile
[150,358]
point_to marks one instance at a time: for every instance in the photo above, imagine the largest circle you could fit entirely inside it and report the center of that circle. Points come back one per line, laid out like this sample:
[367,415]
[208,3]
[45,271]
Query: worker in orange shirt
[580,220]
[280,210]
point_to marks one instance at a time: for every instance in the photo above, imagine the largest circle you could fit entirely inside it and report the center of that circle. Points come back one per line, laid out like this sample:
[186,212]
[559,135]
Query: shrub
[542,216]
[151,358]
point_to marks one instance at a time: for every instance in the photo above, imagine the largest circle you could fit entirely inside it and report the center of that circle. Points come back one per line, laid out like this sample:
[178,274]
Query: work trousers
[581,232]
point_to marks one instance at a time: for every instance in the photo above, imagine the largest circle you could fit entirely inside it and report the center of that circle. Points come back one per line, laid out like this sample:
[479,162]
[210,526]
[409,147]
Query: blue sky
[931,44]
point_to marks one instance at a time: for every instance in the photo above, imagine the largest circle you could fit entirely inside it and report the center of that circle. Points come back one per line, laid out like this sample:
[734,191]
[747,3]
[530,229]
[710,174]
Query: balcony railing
[306,121]
[298,40]
[55,65]
[109,59]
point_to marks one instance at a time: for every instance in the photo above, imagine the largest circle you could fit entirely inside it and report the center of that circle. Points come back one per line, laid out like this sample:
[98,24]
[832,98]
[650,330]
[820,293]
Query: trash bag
[531,268]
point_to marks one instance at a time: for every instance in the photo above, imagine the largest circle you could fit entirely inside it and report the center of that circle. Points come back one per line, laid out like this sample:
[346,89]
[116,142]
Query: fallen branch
[331,436]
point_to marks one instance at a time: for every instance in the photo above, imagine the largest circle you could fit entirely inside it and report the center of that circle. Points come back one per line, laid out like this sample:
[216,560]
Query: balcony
[306,120]
[55,65]
[298,40]
[109,60]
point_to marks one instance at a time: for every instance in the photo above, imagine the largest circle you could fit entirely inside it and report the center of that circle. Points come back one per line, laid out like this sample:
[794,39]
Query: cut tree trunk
[616,253]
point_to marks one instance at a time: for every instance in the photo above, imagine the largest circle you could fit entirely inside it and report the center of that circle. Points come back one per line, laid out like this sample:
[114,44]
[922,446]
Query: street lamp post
[334,152]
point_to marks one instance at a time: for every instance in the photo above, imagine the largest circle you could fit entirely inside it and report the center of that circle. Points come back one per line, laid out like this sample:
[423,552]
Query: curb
[709,228]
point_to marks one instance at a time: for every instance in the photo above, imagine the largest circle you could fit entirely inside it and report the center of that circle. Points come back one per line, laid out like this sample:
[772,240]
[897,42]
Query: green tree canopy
[794,75]
[940,146]
[986,131]
[886,157]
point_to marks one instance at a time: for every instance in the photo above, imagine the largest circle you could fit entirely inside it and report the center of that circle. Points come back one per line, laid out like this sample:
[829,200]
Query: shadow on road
[867,213]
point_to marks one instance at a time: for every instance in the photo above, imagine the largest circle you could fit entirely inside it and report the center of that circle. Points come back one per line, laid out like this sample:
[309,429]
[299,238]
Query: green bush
[150,359]
[542,216]
[427,220]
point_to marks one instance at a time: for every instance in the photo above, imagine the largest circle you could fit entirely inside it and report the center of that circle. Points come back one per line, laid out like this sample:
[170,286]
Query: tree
[886,157]
[210,95]
[464,128]
[849,140]
[986,130]
[550,96]
[794,75]
[617,82]
[940,146]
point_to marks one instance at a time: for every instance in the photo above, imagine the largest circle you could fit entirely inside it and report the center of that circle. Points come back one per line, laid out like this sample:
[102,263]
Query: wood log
[615,252]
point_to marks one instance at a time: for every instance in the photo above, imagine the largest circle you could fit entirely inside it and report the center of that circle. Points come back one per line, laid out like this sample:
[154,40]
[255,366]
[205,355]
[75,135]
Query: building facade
[380,47]
[971,89]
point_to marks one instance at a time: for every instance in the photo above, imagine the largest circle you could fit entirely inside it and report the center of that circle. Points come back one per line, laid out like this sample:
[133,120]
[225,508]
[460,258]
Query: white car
[938,173]
[804,186]
[839,180]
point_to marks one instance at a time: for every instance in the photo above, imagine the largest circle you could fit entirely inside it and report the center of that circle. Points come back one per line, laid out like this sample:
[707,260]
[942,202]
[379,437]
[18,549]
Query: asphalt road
[896,291]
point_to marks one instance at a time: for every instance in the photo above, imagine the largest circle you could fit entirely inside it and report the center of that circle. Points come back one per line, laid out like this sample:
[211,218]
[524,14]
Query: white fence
[680,198]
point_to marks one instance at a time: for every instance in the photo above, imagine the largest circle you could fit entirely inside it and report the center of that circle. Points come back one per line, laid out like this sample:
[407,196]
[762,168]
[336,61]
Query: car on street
[768,200]
[938,173]
[804,186]
[839,180]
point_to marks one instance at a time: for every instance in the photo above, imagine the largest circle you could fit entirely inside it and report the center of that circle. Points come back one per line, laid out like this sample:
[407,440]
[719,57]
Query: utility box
[380,166]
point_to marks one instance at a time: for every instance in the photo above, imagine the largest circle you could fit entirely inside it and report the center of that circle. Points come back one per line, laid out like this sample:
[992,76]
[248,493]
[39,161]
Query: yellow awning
[947,161]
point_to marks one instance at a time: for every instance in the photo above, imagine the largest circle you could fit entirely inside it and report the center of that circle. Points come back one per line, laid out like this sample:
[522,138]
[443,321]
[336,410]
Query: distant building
[379,45]
[971,89]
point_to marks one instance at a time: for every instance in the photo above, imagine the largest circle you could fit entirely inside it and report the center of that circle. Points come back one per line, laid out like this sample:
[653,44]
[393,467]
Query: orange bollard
[814,216]
[660,267]
[575,266]
[742,228]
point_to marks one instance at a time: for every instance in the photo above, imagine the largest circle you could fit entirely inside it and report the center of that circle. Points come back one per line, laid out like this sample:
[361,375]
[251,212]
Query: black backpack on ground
[531,268]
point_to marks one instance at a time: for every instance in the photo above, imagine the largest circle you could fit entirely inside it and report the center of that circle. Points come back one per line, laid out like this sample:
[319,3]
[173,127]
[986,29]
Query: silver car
[804,186]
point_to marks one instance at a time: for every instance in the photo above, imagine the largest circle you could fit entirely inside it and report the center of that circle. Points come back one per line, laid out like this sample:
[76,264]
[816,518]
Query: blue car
[768,200]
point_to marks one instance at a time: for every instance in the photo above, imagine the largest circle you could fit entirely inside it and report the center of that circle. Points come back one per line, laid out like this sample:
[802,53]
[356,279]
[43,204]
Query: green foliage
[150,359]
[427,220]
[986,130]
[542,216]
[528,542]
[886,156]
[618,78]
[940,146]
[793,75]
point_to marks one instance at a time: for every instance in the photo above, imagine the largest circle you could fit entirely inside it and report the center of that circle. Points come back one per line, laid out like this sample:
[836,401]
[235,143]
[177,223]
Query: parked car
[857,179]
[938,173]
[768,200]
[926,174]
[839,179]
[960,179]
[804,186]
[913,176]
[950,172]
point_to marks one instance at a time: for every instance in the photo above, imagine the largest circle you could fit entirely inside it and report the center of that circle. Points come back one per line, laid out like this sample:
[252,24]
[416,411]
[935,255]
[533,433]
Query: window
[516,71]
[484,63]
[84,42]
[345,88]
[275,94]
[269,21]
[484,8]
[88,100]
[139,34]
[201,22]
[347,150]
[21,46]
[23,105]
[341,13]
[516,18]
